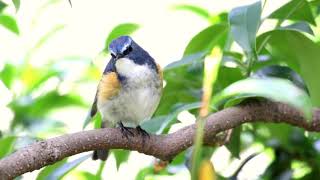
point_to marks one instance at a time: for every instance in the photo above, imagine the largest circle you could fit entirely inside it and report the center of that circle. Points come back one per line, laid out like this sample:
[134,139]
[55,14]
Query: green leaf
[234,144]
[84,175]
[244,23]
[184,78]
[9,23]
[159,124]
[7,75]
[66,168]
[16,4]
[38,108]
[121,156]
[120,30]
[275,89]
[205,40]
[297,10]
[194,9]
[6,145]
[299,53]
[144,172]
[300,26]
[186,60]
[2,6]
[45,172]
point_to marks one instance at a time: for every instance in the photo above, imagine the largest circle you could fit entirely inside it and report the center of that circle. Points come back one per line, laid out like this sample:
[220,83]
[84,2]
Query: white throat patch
[128,68]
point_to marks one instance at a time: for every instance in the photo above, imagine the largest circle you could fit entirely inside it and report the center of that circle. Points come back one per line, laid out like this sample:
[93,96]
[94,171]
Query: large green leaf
[244,23]
[298,10]
[275,89]
[9,23]
[45,172]
[187,60]
[194,9]
[205,40]
[120,30]
[299,53]
[300,26]
[6,145]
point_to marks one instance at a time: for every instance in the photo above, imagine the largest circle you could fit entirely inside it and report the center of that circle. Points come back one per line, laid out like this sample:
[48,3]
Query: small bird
[129,90]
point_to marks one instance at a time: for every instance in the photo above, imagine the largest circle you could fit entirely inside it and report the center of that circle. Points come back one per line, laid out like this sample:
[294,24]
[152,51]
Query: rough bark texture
[164,147]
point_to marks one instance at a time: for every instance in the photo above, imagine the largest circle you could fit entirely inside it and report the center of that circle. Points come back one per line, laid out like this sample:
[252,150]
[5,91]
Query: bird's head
[128,55]
[121,47]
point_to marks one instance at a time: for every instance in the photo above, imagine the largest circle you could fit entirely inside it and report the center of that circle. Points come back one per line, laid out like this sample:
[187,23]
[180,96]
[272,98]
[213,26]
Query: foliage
[279,64]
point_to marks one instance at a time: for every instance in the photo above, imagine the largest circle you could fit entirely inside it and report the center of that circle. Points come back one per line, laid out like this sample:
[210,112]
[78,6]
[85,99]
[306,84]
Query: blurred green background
[52,56]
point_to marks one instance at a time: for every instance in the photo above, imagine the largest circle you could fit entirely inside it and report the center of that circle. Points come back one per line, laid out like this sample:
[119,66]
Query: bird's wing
[94,109]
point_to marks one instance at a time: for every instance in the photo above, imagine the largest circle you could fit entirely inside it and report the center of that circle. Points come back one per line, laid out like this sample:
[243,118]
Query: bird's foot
[126,131]
[142,132]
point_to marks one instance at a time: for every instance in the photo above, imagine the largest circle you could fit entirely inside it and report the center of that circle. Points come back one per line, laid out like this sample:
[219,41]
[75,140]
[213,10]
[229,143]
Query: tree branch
[164,147]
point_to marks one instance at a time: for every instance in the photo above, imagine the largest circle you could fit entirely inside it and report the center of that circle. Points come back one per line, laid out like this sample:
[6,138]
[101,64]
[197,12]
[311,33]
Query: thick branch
[165,147]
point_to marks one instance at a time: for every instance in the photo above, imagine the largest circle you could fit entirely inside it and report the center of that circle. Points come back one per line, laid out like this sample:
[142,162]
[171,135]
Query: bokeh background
[51,62]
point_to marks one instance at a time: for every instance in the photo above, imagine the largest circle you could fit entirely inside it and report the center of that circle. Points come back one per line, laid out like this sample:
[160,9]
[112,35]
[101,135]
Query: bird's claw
[126,132]
[142,132]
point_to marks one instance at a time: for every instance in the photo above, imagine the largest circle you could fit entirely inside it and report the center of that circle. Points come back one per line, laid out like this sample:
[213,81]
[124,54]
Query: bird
[129,90]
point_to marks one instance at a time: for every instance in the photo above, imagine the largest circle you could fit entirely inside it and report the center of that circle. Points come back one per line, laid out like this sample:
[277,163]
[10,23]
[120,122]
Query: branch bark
[165,147]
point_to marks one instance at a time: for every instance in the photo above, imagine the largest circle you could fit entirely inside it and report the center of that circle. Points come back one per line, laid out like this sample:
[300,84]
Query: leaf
[121,156]
[159,124]
[144,172]
[299,53]
[9,23]
[44,173]
[298,10]
[66,167]
[84,175]
[275,89]
[300,26]
[7,75]
[281,72]
[184,78]
[187,60]
[205,40]
[234,144]
[38,108]
[120,30]
[16,4]
[6,145]
[2,6]
[244,24]
[194,9]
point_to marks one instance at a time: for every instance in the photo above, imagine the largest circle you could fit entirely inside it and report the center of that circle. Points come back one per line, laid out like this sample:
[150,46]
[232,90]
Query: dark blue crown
[119,45]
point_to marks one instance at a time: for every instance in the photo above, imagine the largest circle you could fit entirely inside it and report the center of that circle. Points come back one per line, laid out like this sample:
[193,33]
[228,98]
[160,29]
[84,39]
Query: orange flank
[160,73]
[109,86]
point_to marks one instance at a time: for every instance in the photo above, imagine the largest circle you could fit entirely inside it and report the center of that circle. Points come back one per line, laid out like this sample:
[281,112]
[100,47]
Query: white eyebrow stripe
[124,47]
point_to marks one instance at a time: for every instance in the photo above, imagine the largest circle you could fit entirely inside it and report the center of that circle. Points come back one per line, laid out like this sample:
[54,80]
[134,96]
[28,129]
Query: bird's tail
[101,154]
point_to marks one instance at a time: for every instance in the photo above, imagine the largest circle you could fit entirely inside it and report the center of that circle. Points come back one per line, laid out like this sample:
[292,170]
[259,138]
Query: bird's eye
[112,55]
[127,51]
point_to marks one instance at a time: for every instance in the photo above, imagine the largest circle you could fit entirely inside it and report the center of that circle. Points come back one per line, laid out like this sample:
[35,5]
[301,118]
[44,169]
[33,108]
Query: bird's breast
[139,94]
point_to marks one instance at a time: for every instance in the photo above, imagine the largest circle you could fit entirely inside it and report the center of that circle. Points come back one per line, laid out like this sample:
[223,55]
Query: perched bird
[129,90]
